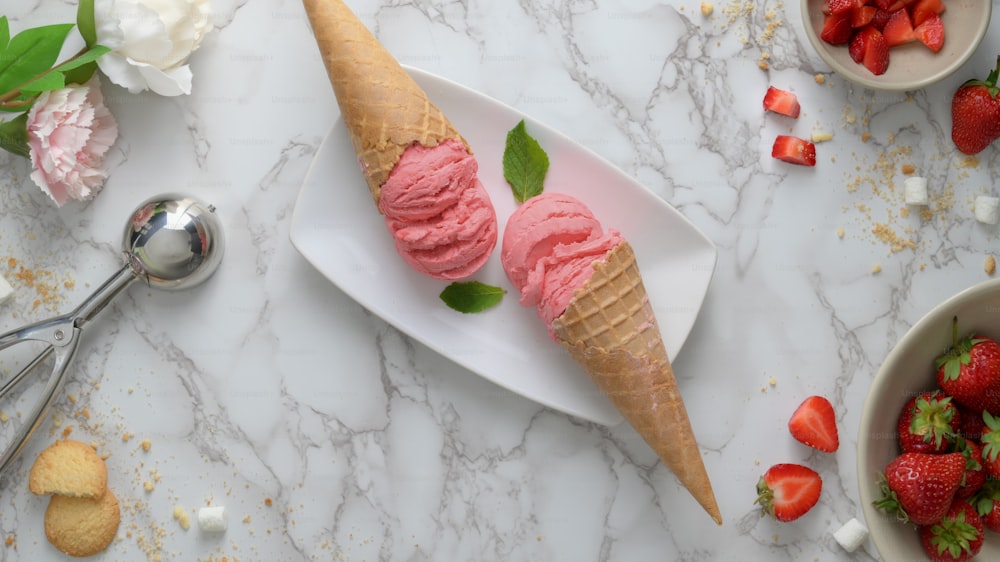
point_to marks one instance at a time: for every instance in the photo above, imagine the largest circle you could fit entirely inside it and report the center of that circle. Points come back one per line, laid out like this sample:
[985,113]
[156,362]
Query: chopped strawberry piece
[788,491]
[843,6]
[931,32]
[880,19]
[814,423]
[924,8]
[899,29]
[862,16]
[875,54]
[898,5]
[857,47]
[884,4]
[780,101]
[794,150]
[836,29]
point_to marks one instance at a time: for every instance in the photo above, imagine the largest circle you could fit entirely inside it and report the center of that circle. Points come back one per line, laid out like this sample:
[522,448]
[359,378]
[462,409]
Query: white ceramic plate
[338,229]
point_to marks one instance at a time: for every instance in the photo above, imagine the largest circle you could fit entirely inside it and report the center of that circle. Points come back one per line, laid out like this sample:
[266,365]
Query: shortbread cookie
[82,526]
[69,468]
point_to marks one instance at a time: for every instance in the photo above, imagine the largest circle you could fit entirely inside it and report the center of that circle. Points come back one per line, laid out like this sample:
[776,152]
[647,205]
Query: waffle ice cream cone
[384,109]
[610,329]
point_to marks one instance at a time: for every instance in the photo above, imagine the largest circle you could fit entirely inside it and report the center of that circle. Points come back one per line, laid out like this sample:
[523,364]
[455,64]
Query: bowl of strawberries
[929,436]
[895,45]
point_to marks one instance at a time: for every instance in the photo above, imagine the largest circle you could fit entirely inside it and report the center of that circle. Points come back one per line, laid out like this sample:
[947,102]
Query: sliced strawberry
[876,51]
[884,4]
[842,6]
[880,19]
[794,150]
[899,29]
[814,423]
[862,16]
[857,46]
[898,5]
[931,32]
[836,29]
[787,491]
[923,9]
[780,101]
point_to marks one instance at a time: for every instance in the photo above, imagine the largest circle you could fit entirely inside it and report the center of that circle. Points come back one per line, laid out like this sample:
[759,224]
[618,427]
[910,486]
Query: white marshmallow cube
[212,519]
[6,291]
[851,535]
[987,209]
[915,189]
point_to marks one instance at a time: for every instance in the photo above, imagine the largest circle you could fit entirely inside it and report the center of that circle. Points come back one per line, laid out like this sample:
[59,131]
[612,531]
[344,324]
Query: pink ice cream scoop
[549,246]
[440,215]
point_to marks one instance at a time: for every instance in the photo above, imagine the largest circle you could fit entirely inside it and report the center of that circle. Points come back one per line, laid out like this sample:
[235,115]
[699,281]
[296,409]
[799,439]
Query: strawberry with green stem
[920,487]
[928,423]
[975,113]
[970,371]
[787,491]
[957,537]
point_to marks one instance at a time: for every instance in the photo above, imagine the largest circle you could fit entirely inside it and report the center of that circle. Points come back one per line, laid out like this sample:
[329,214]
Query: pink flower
[69,131]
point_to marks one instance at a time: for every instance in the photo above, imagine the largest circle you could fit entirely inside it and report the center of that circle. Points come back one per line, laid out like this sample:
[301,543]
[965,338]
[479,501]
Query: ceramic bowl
[907,370]
[913,65]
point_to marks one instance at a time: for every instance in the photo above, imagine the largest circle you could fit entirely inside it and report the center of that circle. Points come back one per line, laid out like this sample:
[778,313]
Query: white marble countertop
[329,435]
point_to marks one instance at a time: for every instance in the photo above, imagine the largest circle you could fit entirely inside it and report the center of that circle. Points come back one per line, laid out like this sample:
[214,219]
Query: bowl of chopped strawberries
[929,436]
[895,45]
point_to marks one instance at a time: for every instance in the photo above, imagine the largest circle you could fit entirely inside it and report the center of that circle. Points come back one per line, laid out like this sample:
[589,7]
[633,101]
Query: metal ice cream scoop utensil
[172,242]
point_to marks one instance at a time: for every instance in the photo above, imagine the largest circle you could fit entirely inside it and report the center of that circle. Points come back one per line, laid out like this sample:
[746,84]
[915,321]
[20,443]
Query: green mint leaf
[85,22]
[471,296]
[14,135]
[4,32]
[524,163]
[30,53]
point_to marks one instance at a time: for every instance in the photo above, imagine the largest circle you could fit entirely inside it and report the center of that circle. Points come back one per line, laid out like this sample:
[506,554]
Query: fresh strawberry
[899,29]
[923,9]
[991,444]
[781,101]
[875,55]
[970,372]
[842,6]
[928,423]
[794,150]
[930,32]
[898,5]
[975,113]
[814,423]
[787,491]
[975,470]
[863,15]
[836,28]
[957,537]
[987,504]
[880,19]
[972,424]
[920,487]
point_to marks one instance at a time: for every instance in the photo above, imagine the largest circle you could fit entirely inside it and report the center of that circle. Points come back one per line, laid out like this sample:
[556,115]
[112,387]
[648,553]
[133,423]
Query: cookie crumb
[821,137]
[908,169]
[877,268]
[820,78]
[707,8]
[146,445]
[182,517]
[990,266]
[840,232]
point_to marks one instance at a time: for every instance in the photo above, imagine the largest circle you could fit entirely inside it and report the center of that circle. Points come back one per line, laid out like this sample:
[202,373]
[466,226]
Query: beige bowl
[908,370]
[913,65]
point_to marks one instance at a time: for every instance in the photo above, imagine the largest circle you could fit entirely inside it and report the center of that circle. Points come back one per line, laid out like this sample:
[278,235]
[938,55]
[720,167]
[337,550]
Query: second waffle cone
[610,329]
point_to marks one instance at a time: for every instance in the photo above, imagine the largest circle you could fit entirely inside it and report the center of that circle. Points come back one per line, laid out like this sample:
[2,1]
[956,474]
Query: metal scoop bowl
[172,242]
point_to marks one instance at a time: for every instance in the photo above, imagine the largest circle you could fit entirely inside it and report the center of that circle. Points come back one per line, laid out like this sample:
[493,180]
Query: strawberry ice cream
[549,247]
[440,215]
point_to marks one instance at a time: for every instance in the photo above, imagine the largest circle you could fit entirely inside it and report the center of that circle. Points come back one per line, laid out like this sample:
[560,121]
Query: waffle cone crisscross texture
[610,329]
[384,109]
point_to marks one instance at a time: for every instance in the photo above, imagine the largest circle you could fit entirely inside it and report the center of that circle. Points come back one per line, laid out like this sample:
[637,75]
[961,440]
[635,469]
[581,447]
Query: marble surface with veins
[330,435]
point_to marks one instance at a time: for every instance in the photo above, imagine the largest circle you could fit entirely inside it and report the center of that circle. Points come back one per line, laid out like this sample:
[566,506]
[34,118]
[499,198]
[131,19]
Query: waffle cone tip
[610,330]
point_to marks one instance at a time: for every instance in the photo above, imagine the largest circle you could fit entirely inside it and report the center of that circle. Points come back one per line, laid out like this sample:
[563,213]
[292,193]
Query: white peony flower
[150,42]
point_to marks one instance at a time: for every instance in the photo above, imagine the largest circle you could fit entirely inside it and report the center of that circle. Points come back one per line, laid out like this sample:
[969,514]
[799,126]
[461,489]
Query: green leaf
[471,296]
[4,32]
[45,82]
[524,164]
[80,74]
[30,53]
[86,23]
[59,76]
[14,135]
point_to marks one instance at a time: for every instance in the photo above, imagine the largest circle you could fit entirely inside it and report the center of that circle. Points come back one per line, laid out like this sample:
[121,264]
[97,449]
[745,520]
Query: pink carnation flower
[69,131]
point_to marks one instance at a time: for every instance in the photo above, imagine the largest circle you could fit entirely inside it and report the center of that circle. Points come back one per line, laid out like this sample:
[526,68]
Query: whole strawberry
[987,504]
[991,445]
[928,423]
[920,487]
[975,113]
[975,469]
[970,372]
[957,537]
